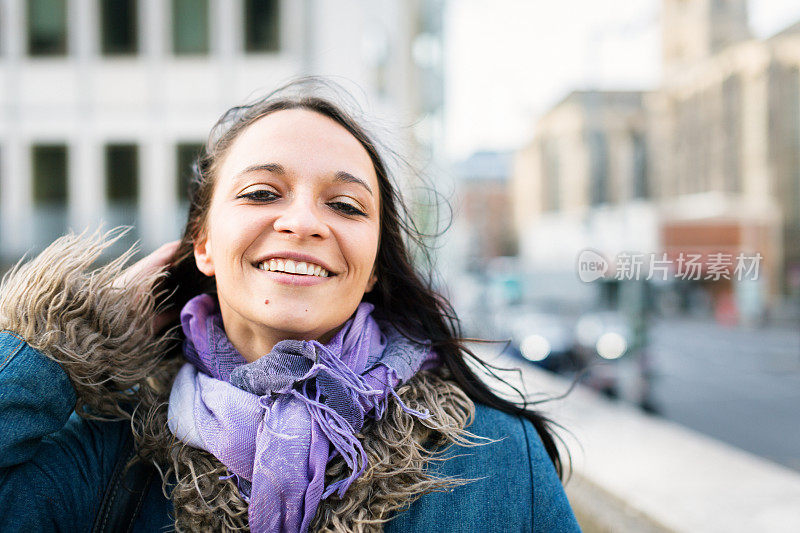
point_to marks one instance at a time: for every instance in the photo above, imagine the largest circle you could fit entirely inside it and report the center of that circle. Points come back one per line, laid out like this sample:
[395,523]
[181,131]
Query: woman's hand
[150,264]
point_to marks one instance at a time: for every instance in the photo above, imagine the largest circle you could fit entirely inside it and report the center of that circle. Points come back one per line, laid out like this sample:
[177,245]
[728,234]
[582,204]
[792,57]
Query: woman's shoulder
[493,423]
[515,484]
[509,448]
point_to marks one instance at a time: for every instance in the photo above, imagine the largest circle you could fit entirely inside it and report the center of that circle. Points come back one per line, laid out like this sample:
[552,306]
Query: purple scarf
[277,422]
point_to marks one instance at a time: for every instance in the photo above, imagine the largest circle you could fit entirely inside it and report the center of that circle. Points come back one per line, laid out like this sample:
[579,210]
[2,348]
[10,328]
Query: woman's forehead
[299,140]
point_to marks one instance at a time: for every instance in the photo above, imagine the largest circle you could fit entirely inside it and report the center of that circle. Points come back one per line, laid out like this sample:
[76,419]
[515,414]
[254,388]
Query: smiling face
[295,191]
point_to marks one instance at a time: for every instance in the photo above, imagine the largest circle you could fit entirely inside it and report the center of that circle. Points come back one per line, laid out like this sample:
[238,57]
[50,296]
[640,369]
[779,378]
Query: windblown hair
[403,295]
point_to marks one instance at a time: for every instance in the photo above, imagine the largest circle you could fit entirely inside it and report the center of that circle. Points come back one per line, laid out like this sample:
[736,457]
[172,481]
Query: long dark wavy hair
[403,295]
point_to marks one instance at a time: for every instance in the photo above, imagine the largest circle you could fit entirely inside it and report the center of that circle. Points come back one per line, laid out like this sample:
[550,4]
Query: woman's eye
[261,195]
[347,208]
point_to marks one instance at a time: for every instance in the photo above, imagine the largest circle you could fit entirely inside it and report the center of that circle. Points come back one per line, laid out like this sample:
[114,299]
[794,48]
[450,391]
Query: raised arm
[66,336]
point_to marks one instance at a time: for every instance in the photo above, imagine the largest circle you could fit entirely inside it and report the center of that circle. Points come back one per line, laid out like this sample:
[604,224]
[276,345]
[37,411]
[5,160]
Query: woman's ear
[202,255]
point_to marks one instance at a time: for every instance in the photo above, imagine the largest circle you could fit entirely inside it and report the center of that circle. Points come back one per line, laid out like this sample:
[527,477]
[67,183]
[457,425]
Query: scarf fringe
[336,428]
[399,450]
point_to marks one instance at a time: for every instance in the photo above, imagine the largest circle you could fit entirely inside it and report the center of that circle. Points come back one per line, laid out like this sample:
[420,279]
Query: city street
[739,386]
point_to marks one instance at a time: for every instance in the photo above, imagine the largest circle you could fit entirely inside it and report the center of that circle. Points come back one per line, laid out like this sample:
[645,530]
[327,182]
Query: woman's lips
[302,280]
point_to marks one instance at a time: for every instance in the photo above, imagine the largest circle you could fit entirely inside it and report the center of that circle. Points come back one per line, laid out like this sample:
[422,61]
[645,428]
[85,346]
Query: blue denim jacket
[55,466]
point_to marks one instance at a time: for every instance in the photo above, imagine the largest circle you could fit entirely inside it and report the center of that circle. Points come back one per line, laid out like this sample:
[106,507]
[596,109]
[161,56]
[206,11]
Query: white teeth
[292,267]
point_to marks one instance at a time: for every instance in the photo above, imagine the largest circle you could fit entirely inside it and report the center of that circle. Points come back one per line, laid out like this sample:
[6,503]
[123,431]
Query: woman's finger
[149,264]
[159,258]
[164,319]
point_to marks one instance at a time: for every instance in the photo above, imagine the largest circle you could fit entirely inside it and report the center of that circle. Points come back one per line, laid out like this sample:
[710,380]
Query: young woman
[316,381]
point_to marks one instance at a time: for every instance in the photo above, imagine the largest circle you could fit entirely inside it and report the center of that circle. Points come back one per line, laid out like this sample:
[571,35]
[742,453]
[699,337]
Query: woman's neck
[253,340]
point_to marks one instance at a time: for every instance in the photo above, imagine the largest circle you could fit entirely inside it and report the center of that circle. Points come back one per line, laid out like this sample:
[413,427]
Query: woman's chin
[300,319]
[293,327]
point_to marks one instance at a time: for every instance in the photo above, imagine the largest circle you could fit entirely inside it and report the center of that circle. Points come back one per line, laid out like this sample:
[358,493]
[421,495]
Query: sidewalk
[634,472]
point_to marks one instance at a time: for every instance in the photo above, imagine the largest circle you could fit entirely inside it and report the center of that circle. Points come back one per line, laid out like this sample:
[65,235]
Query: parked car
[611,359]
[544,339]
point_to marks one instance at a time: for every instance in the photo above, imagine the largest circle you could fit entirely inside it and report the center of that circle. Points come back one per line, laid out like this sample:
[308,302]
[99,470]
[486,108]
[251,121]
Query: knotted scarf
[275,423]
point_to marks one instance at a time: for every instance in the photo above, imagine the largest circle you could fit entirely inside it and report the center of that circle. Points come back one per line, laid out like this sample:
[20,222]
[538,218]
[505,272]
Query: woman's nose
[301,218]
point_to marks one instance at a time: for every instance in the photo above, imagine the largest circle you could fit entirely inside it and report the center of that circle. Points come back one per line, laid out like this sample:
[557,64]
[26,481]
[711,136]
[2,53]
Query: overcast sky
[507,61]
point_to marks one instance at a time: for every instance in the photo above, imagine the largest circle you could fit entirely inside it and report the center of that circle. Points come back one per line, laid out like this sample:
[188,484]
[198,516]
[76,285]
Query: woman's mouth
[289,266]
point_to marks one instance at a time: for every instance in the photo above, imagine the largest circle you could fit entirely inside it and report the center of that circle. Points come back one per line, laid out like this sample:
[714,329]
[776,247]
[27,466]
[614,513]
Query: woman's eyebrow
[349,178]
[269,167]
[276,168]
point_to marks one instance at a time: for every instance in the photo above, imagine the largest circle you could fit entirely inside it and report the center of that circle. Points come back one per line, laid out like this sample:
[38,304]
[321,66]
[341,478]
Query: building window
[47,27]
[122,171]
[732,130]
[186,155]
[262,28]
[190,27]
[119,27]
[551,171]
[640,189]
[49,163]
[49,166]
[784,136]
[598,168]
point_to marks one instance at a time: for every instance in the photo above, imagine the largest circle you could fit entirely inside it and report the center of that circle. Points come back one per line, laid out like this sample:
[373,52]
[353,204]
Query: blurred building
[106,102]
[484,207]
[708,163]
[582,181]
[725,138]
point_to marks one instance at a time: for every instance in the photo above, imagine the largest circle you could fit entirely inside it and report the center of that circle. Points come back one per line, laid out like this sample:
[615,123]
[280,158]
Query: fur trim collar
[103,337]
